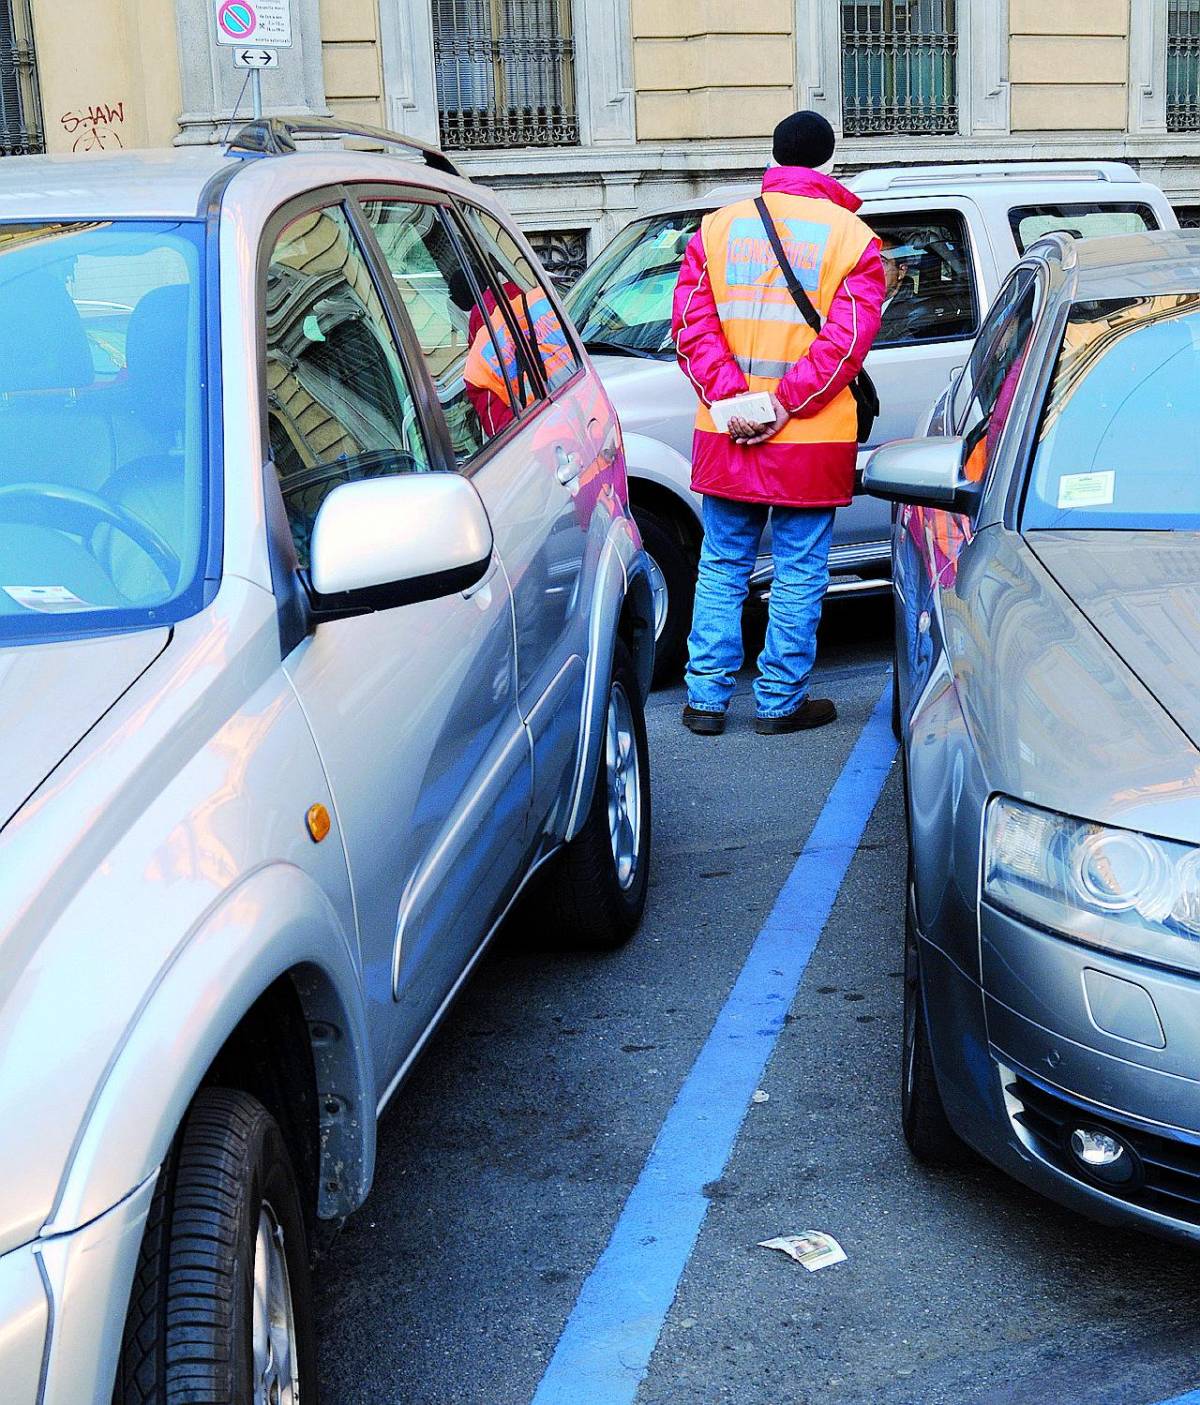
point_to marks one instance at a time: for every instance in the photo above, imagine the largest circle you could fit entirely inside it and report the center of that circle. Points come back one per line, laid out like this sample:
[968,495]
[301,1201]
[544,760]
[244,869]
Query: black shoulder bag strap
[862,387]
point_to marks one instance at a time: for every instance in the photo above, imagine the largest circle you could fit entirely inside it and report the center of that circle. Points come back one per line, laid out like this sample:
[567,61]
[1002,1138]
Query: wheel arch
[622,608]
[660,480]
[217,1003]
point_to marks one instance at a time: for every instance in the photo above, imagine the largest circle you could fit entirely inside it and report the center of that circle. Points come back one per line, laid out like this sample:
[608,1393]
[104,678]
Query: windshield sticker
[1086,489]
[48,599]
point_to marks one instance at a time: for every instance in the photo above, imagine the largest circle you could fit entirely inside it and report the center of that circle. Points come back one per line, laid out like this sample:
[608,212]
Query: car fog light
[1103,1155]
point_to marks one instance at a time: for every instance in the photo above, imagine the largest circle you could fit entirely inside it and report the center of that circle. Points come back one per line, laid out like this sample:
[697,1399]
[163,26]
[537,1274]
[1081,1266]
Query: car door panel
[413,709]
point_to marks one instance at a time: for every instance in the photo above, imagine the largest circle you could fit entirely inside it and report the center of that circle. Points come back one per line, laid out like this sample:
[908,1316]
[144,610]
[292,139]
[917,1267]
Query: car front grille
[1171,1183]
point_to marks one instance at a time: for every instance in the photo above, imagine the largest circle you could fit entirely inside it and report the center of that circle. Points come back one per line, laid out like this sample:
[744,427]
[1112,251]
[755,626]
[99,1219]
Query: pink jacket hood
[800,180]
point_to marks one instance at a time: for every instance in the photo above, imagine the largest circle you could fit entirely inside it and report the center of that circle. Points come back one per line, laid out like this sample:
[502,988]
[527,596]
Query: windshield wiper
[616,348]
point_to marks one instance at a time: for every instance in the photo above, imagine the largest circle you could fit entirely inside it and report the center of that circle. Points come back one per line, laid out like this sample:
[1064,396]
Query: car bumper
[62,1308]
[1021,1062]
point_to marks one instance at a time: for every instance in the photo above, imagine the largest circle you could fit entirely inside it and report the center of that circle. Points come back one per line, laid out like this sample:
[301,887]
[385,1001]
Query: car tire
[225,1224]
[927,1129]
[665,544]
[596,888]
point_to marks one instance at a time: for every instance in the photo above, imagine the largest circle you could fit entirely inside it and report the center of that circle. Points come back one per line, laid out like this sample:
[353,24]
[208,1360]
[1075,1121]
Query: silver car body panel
[1057,669]
[160,876]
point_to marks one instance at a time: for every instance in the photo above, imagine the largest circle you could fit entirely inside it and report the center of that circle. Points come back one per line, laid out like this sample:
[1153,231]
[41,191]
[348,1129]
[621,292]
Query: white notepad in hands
[753,405]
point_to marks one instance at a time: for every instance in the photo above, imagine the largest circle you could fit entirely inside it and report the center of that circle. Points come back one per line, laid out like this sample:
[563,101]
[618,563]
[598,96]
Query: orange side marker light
[318,822]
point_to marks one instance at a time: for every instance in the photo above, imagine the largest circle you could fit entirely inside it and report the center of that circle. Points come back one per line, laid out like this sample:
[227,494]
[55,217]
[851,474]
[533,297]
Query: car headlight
[1114,888]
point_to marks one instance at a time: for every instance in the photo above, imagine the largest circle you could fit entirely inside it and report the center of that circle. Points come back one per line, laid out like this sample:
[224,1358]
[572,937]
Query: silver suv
[325,626]
[950,235]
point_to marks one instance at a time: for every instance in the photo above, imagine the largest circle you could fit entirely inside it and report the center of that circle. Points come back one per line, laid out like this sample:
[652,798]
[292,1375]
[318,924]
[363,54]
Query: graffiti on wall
[95,128]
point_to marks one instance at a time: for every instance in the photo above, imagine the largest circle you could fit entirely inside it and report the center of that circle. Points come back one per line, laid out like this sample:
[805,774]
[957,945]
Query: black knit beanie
[803,139]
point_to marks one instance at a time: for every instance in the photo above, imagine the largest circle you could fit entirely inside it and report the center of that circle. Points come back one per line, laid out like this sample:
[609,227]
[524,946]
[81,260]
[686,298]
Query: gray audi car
[1047,585]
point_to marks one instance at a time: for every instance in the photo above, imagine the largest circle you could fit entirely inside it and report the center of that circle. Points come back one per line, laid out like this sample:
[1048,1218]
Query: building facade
[584,113]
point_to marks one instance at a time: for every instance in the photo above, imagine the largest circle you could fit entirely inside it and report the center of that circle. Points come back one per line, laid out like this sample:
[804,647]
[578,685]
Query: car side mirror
[382,542]
[924,472]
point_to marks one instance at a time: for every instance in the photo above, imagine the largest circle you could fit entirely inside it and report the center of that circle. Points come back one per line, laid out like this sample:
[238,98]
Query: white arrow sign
[256,58]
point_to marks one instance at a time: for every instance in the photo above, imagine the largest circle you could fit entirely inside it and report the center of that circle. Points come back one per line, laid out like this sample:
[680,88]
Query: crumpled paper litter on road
[814,1249]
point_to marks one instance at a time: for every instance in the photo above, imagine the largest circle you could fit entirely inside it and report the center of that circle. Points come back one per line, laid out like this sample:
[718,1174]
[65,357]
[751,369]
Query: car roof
[1026,181]
[173,183]
[1157,262]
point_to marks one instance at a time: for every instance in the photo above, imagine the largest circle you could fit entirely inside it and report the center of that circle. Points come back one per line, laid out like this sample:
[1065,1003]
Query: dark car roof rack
[276,136]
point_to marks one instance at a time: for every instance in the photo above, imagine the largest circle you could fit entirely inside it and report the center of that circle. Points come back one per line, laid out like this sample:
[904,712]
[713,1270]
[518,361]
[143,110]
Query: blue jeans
[732,530]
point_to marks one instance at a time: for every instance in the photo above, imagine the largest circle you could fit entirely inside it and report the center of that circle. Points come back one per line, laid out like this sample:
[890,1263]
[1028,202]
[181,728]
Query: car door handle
[568,465]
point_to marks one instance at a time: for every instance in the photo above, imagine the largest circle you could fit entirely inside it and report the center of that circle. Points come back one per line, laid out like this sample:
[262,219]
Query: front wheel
[221,1309]
[596,890]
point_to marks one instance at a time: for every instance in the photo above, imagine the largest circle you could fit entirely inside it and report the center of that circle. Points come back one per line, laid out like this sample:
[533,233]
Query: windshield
[103,508]
[622,304]
[1119,444]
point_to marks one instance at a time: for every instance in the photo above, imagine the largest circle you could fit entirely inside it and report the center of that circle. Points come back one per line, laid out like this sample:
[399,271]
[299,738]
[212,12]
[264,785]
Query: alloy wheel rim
[661,596]
[623,767]
[276,1361]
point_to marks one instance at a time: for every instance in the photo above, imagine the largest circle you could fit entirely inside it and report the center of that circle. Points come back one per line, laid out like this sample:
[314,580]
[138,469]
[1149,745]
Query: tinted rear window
[1087,221]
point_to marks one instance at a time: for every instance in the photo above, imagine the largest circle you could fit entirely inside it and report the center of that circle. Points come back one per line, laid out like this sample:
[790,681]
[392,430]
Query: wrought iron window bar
[899,67]
[1183,65]
[20,101]
[505,73]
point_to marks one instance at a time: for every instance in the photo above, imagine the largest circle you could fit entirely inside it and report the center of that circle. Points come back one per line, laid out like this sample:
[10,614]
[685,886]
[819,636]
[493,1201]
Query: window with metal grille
[1183,65]
[505,72]
[20,103]
[899,67]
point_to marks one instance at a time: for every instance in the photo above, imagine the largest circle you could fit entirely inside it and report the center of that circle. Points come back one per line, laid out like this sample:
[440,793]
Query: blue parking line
[605,1347]
[1191,1398]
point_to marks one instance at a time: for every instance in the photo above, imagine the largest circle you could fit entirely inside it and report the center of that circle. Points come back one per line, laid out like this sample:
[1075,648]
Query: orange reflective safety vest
[493,371]
[763,326]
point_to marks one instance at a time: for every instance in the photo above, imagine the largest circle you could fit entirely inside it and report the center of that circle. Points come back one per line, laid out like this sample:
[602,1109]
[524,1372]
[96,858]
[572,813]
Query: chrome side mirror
[382,542]
[925,472]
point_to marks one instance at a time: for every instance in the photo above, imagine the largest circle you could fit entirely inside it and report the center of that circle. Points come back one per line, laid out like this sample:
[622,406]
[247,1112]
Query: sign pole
[256,91]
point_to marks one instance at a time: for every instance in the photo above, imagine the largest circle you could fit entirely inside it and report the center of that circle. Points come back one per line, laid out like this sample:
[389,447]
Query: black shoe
[704,724]
[812,712]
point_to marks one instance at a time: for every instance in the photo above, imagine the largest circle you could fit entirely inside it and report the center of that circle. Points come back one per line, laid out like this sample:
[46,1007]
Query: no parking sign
[266,22]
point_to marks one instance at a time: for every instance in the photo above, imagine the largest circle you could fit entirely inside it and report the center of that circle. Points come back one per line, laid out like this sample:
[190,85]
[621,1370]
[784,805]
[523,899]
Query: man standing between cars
[737,328]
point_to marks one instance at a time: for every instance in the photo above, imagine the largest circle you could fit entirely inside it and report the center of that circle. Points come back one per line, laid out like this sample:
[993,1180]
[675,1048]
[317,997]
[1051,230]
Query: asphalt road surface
[506,1161]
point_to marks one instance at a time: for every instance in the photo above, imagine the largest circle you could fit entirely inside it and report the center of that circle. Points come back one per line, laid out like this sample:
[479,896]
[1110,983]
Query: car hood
[52,694]
[1141,592]
[633,378]
[1057,715]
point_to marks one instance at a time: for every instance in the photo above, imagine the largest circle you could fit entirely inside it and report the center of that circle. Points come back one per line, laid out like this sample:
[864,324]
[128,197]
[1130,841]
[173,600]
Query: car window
[1084,221]
[104,475]
[538,323]
[339,404]
[1117,444]
[482,380]
[622,304]
[993,371]
[931,293]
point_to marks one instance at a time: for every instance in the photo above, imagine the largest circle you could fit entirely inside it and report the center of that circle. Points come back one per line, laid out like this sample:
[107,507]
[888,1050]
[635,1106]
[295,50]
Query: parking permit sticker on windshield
[1086,489]
[49,599]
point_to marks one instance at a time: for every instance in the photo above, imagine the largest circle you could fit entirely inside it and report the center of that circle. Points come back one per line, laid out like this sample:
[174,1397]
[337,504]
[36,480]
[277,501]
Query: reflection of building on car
[956,229]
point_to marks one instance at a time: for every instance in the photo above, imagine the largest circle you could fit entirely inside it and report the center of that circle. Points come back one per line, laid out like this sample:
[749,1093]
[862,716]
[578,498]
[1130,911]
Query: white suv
[953,233]
[323,626]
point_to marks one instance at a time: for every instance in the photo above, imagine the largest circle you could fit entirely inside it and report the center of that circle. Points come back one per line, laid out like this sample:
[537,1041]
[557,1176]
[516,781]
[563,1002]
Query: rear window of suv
[1087,221]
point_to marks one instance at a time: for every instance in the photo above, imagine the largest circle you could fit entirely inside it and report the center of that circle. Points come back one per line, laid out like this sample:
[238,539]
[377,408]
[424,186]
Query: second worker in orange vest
[738,328]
